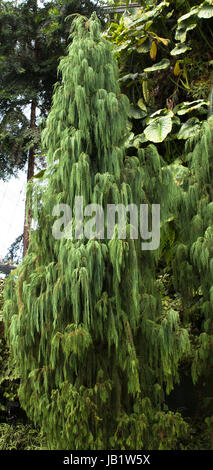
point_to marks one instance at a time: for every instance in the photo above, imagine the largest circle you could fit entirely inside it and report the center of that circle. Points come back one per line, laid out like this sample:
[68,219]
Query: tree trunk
[30,173]
[31,160]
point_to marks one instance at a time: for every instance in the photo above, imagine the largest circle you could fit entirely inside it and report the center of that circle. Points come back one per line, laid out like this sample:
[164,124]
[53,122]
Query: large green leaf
[140,139]
[136,112]
[206,10]
[191,13]
[189,128]
[135,141]
[182,31]
[145,46]
[187,107]
[179,172]
[159,113]
[129,76]
[142,105]
[163,64]
[180,49]
[158,129]
[143,17]
[186,23]
[122,46]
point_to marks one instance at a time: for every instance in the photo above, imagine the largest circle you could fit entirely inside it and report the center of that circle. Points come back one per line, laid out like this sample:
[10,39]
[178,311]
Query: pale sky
[12,204]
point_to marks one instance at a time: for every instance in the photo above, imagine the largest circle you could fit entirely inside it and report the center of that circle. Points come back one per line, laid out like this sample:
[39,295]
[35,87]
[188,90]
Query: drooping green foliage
[16,432]
[193,261]
[169,82]
[94,346]
[8,377]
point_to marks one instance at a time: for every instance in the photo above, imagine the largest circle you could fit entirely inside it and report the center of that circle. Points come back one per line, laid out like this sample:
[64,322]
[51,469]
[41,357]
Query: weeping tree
[83,315]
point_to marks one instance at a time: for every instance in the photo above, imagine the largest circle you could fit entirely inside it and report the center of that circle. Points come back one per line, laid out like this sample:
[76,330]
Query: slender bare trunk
[30,173]
[31,159]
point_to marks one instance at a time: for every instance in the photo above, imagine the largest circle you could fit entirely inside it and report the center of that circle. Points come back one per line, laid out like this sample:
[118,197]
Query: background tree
[32,39]
[15,251]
